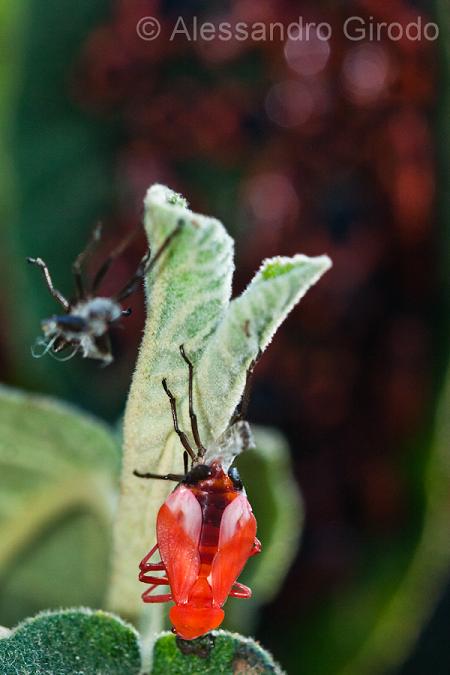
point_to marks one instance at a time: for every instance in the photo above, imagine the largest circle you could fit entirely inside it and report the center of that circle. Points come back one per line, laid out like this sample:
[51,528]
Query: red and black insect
[84,326]
[205,529]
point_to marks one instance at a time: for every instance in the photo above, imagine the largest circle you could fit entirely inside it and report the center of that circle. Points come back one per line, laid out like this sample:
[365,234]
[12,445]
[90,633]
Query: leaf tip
[280,265]
[161,195]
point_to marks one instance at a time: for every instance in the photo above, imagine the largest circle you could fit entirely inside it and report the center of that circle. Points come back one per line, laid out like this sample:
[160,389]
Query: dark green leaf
[218,652]
[71,642]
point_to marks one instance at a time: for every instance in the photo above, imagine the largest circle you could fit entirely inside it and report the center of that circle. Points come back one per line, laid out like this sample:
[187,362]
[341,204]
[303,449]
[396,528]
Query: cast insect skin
[85,324]
[206,530]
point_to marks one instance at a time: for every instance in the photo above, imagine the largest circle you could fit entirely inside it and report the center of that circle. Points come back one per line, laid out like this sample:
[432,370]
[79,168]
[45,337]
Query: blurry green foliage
[58,482]
[71,642]
[413,600]
[60,161]
[370,625]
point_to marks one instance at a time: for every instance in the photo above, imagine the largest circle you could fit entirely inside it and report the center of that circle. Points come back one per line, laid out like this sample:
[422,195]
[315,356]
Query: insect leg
[115,253]
[146,265]
[152,567]
[103,346]
[194,425]
[133,283]
[240,591]
[164,245]
[256,547]
[156,581]
[81,258]
[146,597]
[147,566]
[56,294]
[181,435]
[241,411]
[168,476]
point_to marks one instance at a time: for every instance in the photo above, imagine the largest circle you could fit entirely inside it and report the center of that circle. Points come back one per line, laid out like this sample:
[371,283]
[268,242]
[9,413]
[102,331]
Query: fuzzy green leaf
[188,294]
[58,472]
[188,303]
[71,642]
[248,327]
[221,652]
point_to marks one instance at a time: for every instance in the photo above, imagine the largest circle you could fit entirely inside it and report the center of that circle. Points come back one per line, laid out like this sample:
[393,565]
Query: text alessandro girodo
[355,29]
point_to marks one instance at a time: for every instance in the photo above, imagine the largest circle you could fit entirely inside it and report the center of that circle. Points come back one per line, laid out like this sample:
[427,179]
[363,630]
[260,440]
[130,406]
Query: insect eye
[233,473]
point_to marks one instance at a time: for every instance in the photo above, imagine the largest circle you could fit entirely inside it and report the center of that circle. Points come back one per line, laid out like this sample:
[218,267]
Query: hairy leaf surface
[189,303]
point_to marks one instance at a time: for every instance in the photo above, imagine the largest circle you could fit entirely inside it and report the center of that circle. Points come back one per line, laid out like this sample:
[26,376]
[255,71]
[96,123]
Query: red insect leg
[256,547]
[147,579]
[147,597]
[146,566]
[240,591]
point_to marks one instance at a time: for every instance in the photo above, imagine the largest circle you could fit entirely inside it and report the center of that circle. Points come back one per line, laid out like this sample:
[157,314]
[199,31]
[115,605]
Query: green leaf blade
[248,327]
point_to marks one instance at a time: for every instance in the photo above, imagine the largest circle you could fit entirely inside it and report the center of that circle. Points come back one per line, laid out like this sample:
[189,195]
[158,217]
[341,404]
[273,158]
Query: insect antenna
[194,424]
[168,476]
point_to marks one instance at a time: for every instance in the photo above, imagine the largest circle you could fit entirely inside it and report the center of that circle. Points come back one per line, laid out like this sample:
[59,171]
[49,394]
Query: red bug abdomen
[201,614]
[213,504]
[196,541]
